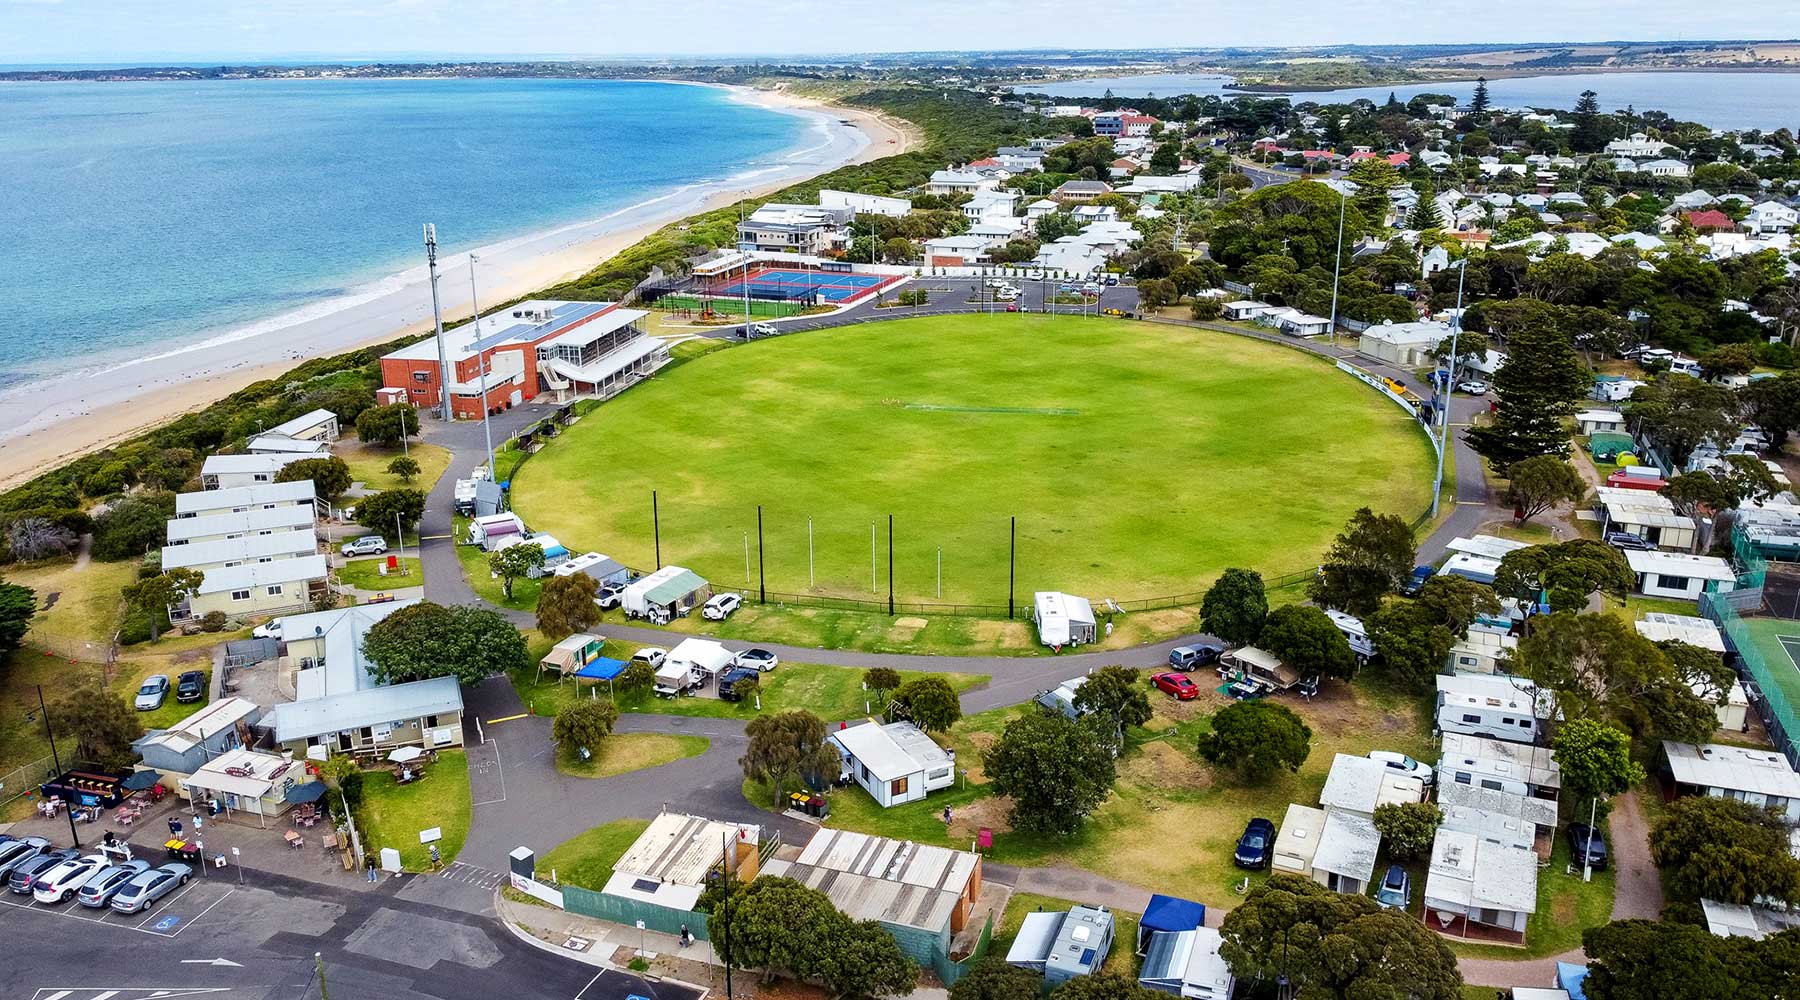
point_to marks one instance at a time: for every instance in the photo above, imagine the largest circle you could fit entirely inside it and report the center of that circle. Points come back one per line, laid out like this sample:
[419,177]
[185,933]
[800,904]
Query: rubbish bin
[815,806]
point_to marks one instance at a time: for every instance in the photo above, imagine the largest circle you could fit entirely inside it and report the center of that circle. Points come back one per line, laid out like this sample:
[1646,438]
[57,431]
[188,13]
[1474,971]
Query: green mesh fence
[1762,645]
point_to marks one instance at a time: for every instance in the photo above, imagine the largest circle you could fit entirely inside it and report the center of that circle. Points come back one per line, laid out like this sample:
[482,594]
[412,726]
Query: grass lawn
[1121,961]
[485,583]
[75,604]
[1565,907]
[22,739]
[365,574]
[624,752]
[392,815]
[368,463]
[955,424]
[586,860]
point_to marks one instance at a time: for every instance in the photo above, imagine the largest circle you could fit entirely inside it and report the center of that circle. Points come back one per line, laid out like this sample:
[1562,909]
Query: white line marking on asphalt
[203,913]
[590,985]
[58,995]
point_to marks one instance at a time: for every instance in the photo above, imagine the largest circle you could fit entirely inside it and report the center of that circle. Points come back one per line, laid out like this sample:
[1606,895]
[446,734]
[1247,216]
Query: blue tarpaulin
[1571,977]
[1167,913]
[602,669]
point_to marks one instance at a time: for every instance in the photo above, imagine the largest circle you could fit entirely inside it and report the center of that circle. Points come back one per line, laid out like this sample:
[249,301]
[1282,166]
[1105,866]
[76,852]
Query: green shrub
[212,621]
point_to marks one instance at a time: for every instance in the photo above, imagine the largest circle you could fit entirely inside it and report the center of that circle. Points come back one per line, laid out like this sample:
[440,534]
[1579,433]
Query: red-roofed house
[986,161]
[1400,159]
[1709,221]
[1137,125]
[1361,155]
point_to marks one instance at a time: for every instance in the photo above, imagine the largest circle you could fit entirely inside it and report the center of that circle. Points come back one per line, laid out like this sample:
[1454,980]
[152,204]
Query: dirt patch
[903,633]
[1563,909]
[912,623]
[193,655]
[966,821]
[1007,635]
[1163,767]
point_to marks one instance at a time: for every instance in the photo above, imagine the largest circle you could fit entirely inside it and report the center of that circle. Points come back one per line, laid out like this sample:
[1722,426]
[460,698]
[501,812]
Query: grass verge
[625,752]
[393,815]
[587,859]
[365,574]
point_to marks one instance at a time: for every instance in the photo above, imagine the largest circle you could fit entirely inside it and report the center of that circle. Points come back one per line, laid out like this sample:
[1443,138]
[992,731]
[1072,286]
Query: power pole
[437,319]
[656,528]
[56,760]
[725,925]
[1012,551]
[762,583]
[319,968]
[890,565]
[1437,486]
[481,358]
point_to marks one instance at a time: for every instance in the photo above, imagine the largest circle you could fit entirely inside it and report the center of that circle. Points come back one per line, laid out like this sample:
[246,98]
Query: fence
[75,650]
[950,970]
[24,780]
[619,910]
[1772,671]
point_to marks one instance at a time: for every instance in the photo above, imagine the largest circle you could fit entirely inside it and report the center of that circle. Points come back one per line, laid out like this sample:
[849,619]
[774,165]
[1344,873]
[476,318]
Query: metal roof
[1486,546]
[1299,838]
[1679,564]
[246,772]
[287,517]
[341,631]
[304,422]
[1533,765]
[298,720]
[1659,626]
[1499,802]
[894,860]
[1470,872]
[270,444]
[1734,769]
[1359,784]
[1036,936]
[263,574]
[1347,845]
[247,548]
[1189,961]
[219,465]
[680,849]
[244,496]
[190,732]
[890,751]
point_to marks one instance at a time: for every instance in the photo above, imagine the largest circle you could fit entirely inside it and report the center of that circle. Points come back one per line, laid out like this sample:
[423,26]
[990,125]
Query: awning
[602,669]
[405,755]
[139,781]
[312,791]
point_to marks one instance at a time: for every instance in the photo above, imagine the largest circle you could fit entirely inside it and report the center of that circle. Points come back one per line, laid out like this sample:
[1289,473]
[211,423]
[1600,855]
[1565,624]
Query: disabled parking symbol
[167,923]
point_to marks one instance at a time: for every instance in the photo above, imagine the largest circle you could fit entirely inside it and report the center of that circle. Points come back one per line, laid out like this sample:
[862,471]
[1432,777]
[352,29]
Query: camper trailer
[1353,630]
[1499,708]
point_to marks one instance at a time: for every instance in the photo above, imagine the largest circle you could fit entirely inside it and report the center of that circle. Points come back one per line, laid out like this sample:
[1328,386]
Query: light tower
[437,319]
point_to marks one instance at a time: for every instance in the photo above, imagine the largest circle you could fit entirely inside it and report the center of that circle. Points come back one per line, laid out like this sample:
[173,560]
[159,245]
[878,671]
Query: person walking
[369,861]
[196,821]
[436,859]
[174,828]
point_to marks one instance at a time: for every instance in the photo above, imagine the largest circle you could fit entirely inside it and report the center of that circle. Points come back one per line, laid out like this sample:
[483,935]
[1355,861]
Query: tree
[1588,135]
[585,724]
[780,926]
[1166,160]
[1114,694]
[384,510]
[1457,601]
[928,702]
[1206,308]
[786,745]
[30,539]
[1055,771]
[1536,484]
[1537,386]
[1371,557]
[1410,643]
[566,604]
[899,251]
[102,724]
[866,961]
[1600,668]
[1256,739]
[1478,103]
[1307,641]
[1103,986]
[157,594]
[431,640]
[1234,606]
[1425,214]
[993,979]
[1664,960]
[881,682]
[1724,849]
[1680,413]
[1335,945]
[387,424]
[1564,573]
[133,525]
[405,466]
[1409,828]
[344,775]
[17,605]
[1729,359]
[638,675]
[330,476]
[1595,759]
[513,562]
[1154,293]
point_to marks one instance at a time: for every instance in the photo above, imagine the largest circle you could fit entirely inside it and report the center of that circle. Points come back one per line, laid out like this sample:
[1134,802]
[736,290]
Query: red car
[1179,685]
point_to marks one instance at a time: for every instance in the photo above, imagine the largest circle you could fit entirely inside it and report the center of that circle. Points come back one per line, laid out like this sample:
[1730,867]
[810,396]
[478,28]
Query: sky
[102,31]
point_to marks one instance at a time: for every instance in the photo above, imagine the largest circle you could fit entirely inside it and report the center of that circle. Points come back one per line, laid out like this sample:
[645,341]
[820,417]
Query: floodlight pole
[56,760]
[1337,266]
[437,319]
[1437,487]
[481,358]
[656,528]
[746,254]
[1012,551]
[890,565]
[762,580]
[809,554]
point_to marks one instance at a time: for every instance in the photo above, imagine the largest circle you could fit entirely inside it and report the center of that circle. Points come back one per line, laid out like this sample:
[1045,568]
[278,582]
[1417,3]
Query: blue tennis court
[832,286]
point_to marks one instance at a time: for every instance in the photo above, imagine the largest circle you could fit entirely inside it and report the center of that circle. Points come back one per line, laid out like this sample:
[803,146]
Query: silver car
[14,853]
[106,883]
[144,890]
[151,693]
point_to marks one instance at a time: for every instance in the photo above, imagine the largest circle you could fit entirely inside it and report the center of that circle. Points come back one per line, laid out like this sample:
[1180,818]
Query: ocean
[1719,100]
[142,216]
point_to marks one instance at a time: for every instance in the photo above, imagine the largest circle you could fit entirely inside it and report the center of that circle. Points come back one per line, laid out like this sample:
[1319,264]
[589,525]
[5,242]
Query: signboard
[431,835]
[532,887]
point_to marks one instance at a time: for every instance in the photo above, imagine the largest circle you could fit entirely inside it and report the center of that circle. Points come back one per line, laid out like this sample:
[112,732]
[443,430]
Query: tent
[703,656]
[1572,978]
[571,654]
[671,590]
[1606,446]
[1169,913]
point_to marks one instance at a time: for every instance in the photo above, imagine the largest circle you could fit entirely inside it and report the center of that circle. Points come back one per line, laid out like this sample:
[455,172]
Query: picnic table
[293,838]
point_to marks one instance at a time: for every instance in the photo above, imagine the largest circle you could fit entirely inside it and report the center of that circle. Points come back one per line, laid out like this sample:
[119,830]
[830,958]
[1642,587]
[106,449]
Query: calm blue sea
[134,215]
[1721,100]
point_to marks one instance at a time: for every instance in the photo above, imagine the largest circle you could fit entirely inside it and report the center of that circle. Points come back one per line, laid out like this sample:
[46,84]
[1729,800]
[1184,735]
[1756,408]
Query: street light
[481,360]
[1449,389]
[1337,265]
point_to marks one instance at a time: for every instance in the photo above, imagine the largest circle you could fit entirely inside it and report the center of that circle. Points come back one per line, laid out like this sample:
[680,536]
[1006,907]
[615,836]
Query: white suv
[367,545]
[721,606]
[765,329]
[1403,765]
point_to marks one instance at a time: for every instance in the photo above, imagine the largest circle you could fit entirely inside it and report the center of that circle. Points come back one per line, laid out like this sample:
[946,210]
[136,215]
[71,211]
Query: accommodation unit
[494,360]
[1755,922]
[313,425]
[866,204]
[1638,145]
[1260,665]
[1063,945]
[1295,323]
[1355,633]
[1297,843]
[1497,816]
[256,588]
[920,894]
[1359,785]
[1063,619]
[954,181]
[894,762]
[494,532]
[224,552]
[1649,516]
[1040,208]
[1680,575]
[1469,566]
[270,444]
[224,525]
[1345,858]
[667,593]
[1408,345]
[185,747]
[247,783]
[962,250]
[801,229]
[1502,708]
[603,568]
[1484,650]
[241,499]
[223,472]
[1759,777]
[1187,964]
[1479,762]
[985,206]
[669,864]
[1479,889]
[1660,626]
[1592,422]
[1077,191]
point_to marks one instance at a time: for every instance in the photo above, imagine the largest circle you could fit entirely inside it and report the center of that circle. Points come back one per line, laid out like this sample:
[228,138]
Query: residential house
[956,251]
[953,181]
[314,425]
[1680,575]
[185,747]
[987,206]
[221,472]
[1758,776]
[242,499]
[865,204]
[1638,146]
[248,783]
[1709,221]
[1518,768]
[1591,422]
[1479,890]
[224,525]
[1295,323]
[1771,217]
[1499,816]
[1665,168]
[1040,208]
[1063,945]
[1247,309]
[255,589]
[1019,159]
[895,763]
[1079,191]
[1649,516]
[1503,708]
[1693,200]
[1095,213]
[270,444]
[1408,345]
[800,229]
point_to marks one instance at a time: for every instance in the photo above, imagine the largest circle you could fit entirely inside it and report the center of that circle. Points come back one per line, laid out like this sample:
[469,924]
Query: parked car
[1257,844]
[367,545]
[1112,279]
[721,606]
[610,596]
[190,686]
[764,329]
[1586,845]
[1627,540]
[61,882]
[1199,654]
[729,681]
[270,629]
[23,878]
[1416,582]
[1396,889]
[17,852]
[1472,386]
[1405,766]
[1179,685]
[761,660]
[143,891]
[653,655]
[151,693]
[106,883]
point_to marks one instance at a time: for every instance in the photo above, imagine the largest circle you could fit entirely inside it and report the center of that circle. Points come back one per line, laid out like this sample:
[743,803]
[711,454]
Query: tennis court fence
[1771,668]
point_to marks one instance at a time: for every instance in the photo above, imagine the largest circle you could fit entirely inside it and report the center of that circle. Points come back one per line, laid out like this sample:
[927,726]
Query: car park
[1256,845]
[151,693]
[1416,582]
[721,606]
[758,659]
[143,891]
[23,878]
[17,852]
[610,596]
[1199,654]
[1180,686]
[1586,846]
[1472,386]
[730,681]
[367,545]
[98,891]
[1396,889]
[1624,540]
[653,655]
[62,881]
[190,686]
[1401,764]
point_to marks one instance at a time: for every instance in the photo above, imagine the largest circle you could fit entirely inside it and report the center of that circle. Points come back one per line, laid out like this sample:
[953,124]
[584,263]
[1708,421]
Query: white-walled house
[1680,575]
[895,763]
[222,472]
[1759,776]
[1475,889]
[1771,217]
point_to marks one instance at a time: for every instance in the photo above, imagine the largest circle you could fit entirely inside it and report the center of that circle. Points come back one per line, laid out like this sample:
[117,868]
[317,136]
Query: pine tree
[1478,104]
[1538,386]
[1393,103]
[1425,214]
[1586,136]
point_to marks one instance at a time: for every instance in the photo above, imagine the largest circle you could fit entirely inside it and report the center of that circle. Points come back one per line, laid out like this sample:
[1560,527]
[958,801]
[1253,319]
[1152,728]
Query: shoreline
[54,420]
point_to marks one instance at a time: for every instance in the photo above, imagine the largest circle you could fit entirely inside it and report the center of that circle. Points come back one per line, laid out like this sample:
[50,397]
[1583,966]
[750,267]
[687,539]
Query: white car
[653,655]
[1405,766]
[764,329]
[721,606]
[270,629]
[1472,386]
[151,693]
[60,882]
[367,545]
[758,659]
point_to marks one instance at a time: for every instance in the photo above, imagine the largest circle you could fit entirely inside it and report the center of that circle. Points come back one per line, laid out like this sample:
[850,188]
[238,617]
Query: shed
[1063,619]
[1298,842]
[668,592]
[1757,776]
[1598,421]
[1187,964]
[920,894]
[1660,626]
[1345,859]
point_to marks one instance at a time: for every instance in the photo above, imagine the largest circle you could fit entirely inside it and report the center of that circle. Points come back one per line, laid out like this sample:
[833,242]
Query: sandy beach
[47,422]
